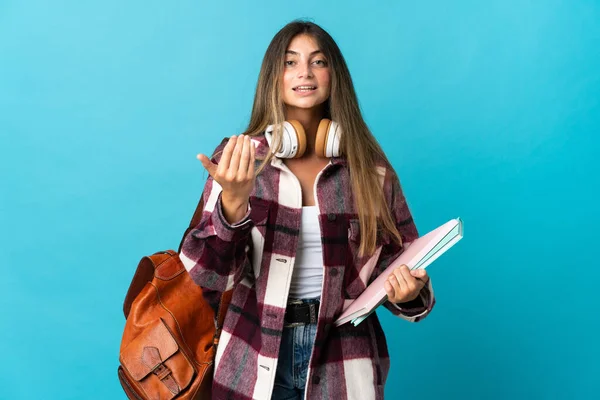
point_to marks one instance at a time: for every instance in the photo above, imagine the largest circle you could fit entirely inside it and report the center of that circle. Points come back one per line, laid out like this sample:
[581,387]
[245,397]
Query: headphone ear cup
[269,134]
[299,135]
[334,138]
[293,140]
[322,137]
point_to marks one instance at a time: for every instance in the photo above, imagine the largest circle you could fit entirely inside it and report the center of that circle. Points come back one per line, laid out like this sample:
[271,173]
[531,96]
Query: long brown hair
[357,143]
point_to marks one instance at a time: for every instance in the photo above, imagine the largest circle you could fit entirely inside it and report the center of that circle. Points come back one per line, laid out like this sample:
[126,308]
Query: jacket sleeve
[420,307]
[214,252]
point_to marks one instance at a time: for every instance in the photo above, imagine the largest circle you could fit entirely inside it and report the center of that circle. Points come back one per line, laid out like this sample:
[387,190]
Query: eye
[289,63]
[322,63]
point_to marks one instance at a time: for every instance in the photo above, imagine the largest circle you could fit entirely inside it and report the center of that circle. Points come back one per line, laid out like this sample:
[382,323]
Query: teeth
[305,88]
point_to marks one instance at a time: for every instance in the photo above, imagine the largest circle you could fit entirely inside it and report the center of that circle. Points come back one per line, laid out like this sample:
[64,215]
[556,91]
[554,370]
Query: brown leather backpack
[171,333]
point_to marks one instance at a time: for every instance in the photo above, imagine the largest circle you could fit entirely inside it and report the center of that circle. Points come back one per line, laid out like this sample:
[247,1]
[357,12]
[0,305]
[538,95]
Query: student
[299,231]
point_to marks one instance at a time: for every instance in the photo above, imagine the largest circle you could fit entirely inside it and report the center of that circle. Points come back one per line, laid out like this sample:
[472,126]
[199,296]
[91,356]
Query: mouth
[304,89]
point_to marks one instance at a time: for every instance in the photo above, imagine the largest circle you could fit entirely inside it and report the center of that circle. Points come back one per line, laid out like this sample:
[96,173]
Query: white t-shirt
[307,277]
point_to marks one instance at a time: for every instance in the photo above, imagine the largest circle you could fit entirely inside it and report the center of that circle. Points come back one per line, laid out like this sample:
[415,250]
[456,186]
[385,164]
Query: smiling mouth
[304,89]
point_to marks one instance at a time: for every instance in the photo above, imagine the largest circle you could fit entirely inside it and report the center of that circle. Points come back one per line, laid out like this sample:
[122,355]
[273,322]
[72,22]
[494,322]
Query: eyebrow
[295,53]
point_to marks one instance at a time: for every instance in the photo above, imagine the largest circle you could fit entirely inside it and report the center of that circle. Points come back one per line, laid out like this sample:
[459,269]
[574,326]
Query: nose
[304,71]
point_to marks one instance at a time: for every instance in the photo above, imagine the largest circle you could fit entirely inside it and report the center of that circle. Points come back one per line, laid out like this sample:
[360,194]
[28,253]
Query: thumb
[207,164]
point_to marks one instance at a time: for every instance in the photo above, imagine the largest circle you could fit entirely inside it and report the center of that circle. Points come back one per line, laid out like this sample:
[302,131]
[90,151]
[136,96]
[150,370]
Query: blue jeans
[294,356]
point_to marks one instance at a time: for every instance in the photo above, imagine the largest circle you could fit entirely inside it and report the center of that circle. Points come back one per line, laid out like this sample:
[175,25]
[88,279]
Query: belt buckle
[292,324]
[312,313]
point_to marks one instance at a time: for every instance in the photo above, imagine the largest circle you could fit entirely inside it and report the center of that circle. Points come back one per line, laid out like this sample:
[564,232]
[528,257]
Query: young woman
[299,230]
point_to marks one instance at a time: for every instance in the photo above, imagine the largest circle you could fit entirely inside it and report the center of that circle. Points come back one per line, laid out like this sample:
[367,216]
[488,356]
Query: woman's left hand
[404,285]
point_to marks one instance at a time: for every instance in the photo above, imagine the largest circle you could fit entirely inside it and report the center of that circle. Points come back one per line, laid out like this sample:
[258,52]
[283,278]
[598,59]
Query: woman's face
[306,74]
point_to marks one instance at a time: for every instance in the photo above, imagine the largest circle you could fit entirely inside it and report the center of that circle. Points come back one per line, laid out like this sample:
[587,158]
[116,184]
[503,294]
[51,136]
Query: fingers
[420,275]
[389,290]
[235,169]
[226,157]
[237,160]
[412,285]
[234,163]
[403,284]
[398,284]
[245,159]
[252,159]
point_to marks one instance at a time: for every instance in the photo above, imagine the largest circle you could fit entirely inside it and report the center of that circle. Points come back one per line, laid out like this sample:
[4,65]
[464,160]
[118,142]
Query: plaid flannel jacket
[256,258]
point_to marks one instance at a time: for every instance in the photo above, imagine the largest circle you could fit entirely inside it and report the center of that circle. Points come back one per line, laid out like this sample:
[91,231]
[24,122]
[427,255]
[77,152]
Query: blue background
[489,110]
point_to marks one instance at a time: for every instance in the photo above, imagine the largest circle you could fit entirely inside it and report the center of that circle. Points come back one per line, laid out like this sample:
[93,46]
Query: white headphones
[293,140]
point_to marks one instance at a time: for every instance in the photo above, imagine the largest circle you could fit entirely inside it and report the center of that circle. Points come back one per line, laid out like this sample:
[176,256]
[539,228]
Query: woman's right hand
[235,174]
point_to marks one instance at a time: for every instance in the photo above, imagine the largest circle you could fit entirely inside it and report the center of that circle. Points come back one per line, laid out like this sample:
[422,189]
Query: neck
[309,118]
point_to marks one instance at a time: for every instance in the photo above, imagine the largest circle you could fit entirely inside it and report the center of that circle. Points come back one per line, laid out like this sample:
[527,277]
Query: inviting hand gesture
[404,285]
[235,174]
